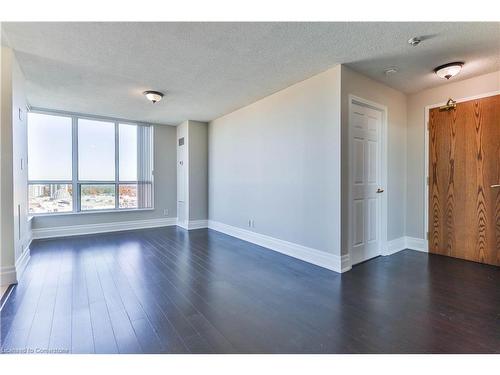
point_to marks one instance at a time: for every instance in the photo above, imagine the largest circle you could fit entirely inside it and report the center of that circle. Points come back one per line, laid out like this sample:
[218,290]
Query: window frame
[75,182]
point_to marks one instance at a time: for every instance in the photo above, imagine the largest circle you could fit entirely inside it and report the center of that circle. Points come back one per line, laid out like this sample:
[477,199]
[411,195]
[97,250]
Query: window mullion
[74,172]
[117,165]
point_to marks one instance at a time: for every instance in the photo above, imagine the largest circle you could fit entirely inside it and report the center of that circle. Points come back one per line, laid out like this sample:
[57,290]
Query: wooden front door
[464,181]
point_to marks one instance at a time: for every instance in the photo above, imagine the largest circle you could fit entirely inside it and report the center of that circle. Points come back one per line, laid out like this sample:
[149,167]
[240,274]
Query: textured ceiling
[210,69]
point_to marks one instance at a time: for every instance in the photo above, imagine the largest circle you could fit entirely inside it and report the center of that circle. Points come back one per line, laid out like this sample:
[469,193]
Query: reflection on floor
[167,290]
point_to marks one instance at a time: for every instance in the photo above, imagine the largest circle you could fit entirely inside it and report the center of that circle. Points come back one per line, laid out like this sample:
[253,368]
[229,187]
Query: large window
[79,164]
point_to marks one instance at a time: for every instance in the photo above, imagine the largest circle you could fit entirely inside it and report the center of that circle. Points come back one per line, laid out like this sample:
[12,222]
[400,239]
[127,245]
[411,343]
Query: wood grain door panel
[464,210]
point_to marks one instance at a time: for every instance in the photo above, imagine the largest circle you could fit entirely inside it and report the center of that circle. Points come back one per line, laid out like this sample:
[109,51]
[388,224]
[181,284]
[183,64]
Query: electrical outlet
[165,212]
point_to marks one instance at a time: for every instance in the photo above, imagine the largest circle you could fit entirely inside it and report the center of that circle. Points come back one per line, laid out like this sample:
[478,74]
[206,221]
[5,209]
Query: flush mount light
[449,70]
[415,41]
[154,96]
[391,70]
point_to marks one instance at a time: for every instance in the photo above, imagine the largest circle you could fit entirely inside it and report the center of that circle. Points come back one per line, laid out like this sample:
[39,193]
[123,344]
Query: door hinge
[427,236]
[428,181]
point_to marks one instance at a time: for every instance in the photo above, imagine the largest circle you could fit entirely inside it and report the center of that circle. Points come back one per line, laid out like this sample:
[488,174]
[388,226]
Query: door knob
[379,190]
[495,186]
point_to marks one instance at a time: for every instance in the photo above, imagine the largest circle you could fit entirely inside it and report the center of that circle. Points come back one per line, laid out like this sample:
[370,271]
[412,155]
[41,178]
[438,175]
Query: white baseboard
[76,230]
[403,243]
[418,244]
[307,254]
[8,276]
[345,263]
[182,224]
[395,245]
[11,274]
[197,224]
[193,224]
[22,262]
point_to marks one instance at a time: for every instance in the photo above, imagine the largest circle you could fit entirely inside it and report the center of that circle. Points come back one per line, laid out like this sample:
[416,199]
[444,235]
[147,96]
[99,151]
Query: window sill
[90,212]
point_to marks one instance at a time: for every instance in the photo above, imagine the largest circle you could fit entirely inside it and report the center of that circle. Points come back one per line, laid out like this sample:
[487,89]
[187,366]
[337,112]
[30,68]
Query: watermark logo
[34,351]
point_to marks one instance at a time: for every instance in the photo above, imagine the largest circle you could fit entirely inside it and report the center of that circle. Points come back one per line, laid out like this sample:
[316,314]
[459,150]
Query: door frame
[425,235]
[382,165]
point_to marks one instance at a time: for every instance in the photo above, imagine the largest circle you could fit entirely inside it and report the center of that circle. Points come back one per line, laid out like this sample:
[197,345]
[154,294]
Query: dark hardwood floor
[169,291]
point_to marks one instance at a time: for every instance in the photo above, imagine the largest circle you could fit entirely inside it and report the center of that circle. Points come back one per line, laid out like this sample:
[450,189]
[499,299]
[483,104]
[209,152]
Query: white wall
[416,139]
[7,256]
[198,170]
[192,174]
[277,162]
[15,233]
[22,227]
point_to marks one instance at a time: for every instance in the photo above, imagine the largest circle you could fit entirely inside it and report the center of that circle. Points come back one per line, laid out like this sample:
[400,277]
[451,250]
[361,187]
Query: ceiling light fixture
[415,41]
[391,70]
[154,96]
[449,70]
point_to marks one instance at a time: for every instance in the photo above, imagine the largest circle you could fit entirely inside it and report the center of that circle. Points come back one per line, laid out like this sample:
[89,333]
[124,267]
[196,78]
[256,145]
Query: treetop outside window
[85,163]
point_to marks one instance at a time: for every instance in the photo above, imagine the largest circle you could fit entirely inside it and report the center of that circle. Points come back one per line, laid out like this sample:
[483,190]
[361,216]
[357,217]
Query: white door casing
[367,221]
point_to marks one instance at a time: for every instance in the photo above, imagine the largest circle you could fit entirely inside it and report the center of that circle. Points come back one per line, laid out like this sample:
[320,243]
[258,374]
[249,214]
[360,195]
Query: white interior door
[365,206]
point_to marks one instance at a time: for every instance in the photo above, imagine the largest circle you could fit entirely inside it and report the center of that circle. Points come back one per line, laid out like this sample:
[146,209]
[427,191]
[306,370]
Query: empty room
[250,188]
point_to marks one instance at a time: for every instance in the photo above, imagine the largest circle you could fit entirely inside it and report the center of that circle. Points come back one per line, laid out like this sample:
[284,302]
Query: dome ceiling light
[391,70]
[415,41]
[449,70]
[154,96]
